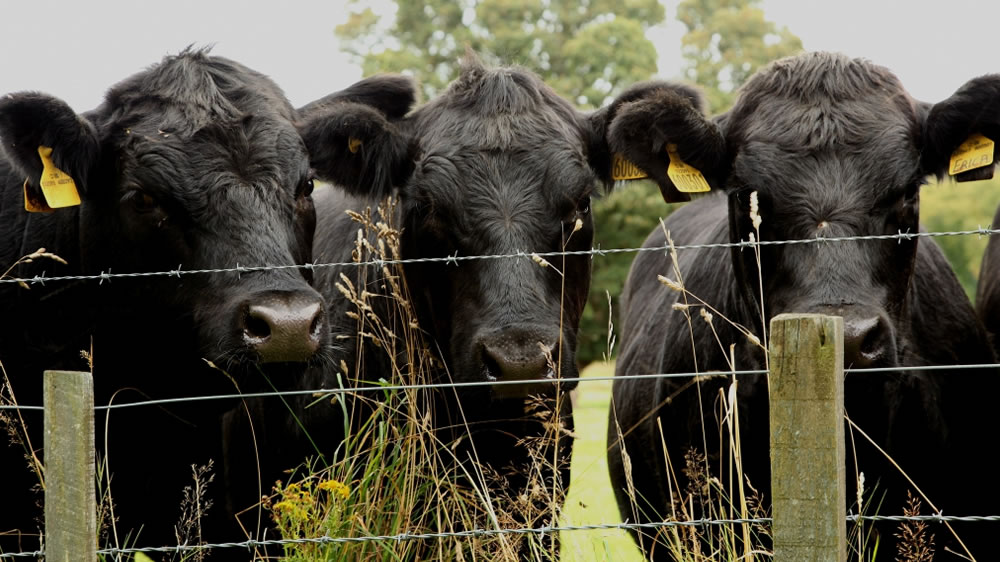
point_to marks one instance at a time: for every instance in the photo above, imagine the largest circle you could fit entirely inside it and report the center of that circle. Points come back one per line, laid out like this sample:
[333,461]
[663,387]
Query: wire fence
[109,276]
[321,392]
[383,386]
[476,533]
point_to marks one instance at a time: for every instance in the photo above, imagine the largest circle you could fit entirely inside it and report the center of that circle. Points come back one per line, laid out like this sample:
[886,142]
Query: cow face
[194,164]
[835,147]
[498,164]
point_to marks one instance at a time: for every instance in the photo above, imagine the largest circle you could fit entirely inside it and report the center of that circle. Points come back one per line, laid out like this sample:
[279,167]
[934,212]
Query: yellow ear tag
[58,188]
[353,145]
[975,152]
[686,178]
[32,203]
[623,169]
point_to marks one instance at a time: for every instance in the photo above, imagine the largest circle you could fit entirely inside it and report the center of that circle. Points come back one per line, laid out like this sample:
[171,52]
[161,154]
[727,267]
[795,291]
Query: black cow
[833,147]
[497,164]
[988,289]
[195,163]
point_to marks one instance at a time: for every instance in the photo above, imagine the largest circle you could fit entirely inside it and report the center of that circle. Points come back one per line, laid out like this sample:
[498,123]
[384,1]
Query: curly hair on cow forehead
[191,89]
[498,108]
[818,101]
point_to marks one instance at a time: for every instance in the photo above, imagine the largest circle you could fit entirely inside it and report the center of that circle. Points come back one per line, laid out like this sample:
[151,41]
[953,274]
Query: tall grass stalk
[395,473]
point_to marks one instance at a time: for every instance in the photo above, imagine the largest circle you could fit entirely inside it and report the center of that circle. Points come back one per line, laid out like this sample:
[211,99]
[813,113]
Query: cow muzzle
[283,327]
[519,354]
[869,338]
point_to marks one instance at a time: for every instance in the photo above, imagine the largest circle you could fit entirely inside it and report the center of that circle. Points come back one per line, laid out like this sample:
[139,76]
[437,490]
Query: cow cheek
[305,228]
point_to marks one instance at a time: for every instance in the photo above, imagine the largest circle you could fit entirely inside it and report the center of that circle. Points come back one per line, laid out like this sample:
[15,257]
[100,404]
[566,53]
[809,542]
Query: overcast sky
[77,49]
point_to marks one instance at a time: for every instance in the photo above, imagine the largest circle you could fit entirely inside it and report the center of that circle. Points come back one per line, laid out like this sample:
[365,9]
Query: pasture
[590,500]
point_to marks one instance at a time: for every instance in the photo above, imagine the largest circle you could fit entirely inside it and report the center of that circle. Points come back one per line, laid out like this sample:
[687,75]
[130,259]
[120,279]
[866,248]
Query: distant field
[590,499]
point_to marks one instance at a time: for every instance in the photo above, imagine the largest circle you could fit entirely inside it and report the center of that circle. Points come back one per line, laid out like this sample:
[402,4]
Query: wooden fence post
[808,483]
[70,497]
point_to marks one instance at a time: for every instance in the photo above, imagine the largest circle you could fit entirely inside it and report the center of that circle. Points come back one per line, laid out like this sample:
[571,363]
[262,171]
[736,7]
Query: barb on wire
[454,259]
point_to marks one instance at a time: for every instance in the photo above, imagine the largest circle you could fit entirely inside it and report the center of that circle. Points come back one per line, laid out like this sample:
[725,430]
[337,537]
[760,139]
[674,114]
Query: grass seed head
[673,285]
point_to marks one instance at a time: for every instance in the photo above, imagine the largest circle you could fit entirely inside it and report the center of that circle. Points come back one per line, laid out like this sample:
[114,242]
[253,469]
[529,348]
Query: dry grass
[394,474]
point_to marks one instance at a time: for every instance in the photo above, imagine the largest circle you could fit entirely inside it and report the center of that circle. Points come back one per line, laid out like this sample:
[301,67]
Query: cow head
[498,164]
[835,147]
[194,164]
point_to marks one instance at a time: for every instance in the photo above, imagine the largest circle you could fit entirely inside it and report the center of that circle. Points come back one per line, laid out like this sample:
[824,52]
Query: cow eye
[307,188]
[141,201]
[583,208]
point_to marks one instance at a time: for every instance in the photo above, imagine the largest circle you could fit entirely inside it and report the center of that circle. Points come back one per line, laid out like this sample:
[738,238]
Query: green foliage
[727,41]
[949,206]
[586,51]
[624,219]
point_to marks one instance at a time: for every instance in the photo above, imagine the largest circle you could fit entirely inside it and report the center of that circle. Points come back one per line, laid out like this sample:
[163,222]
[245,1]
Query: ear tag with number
[686,178]
[623,169]
[32,202]
[976,152]
[58,188]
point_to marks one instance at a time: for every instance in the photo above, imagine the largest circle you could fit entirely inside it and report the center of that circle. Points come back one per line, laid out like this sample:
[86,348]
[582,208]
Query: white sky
[76,49]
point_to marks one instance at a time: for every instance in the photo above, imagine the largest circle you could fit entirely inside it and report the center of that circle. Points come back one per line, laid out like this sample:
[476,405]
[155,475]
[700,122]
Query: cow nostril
[317,324]
[256,327]
[873,342]
[491,367]
[867,342]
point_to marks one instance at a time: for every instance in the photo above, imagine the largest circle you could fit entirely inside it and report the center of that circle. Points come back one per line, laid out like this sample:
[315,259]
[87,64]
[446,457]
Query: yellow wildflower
[335,488]
[284,506]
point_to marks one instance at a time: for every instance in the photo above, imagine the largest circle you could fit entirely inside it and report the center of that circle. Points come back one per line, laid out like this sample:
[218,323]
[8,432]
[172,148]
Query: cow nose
[518,355]
[284,329]
[867,342]
[517,363]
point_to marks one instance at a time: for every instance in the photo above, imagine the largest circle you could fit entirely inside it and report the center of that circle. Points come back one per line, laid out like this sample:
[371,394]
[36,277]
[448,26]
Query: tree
[727,41]
[587,51]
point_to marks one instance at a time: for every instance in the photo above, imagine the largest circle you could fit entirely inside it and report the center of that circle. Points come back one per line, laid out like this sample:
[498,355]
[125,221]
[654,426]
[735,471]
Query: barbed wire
[321,392]
[475,533]
[455,259]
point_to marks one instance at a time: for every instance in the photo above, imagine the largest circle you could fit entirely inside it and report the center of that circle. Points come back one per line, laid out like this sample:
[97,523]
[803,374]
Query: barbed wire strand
[386,388]
[455,259]
[473,533]
[108,276]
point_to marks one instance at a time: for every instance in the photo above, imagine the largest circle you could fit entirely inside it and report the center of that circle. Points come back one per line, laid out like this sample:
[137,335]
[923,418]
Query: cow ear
[353,135]
[973,109]
[647,118]
[356,147]
[29,120]
[391,94]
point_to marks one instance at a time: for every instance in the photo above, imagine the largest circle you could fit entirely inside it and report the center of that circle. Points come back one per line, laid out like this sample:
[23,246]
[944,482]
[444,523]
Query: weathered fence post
[808,480]
[70,500]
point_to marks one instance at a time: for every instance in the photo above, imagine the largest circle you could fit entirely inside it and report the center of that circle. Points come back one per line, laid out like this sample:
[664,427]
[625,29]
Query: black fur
[834,147]
[194,163]
[497,164]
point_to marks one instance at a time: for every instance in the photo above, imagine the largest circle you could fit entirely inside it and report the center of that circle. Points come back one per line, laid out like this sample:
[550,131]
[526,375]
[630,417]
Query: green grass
[590,499]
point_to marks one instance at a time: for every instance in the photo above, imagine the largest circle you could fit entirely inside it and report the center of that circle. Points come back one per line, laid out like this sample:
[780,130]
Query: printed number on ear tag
[624,169]
[686,178]
[58,188]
